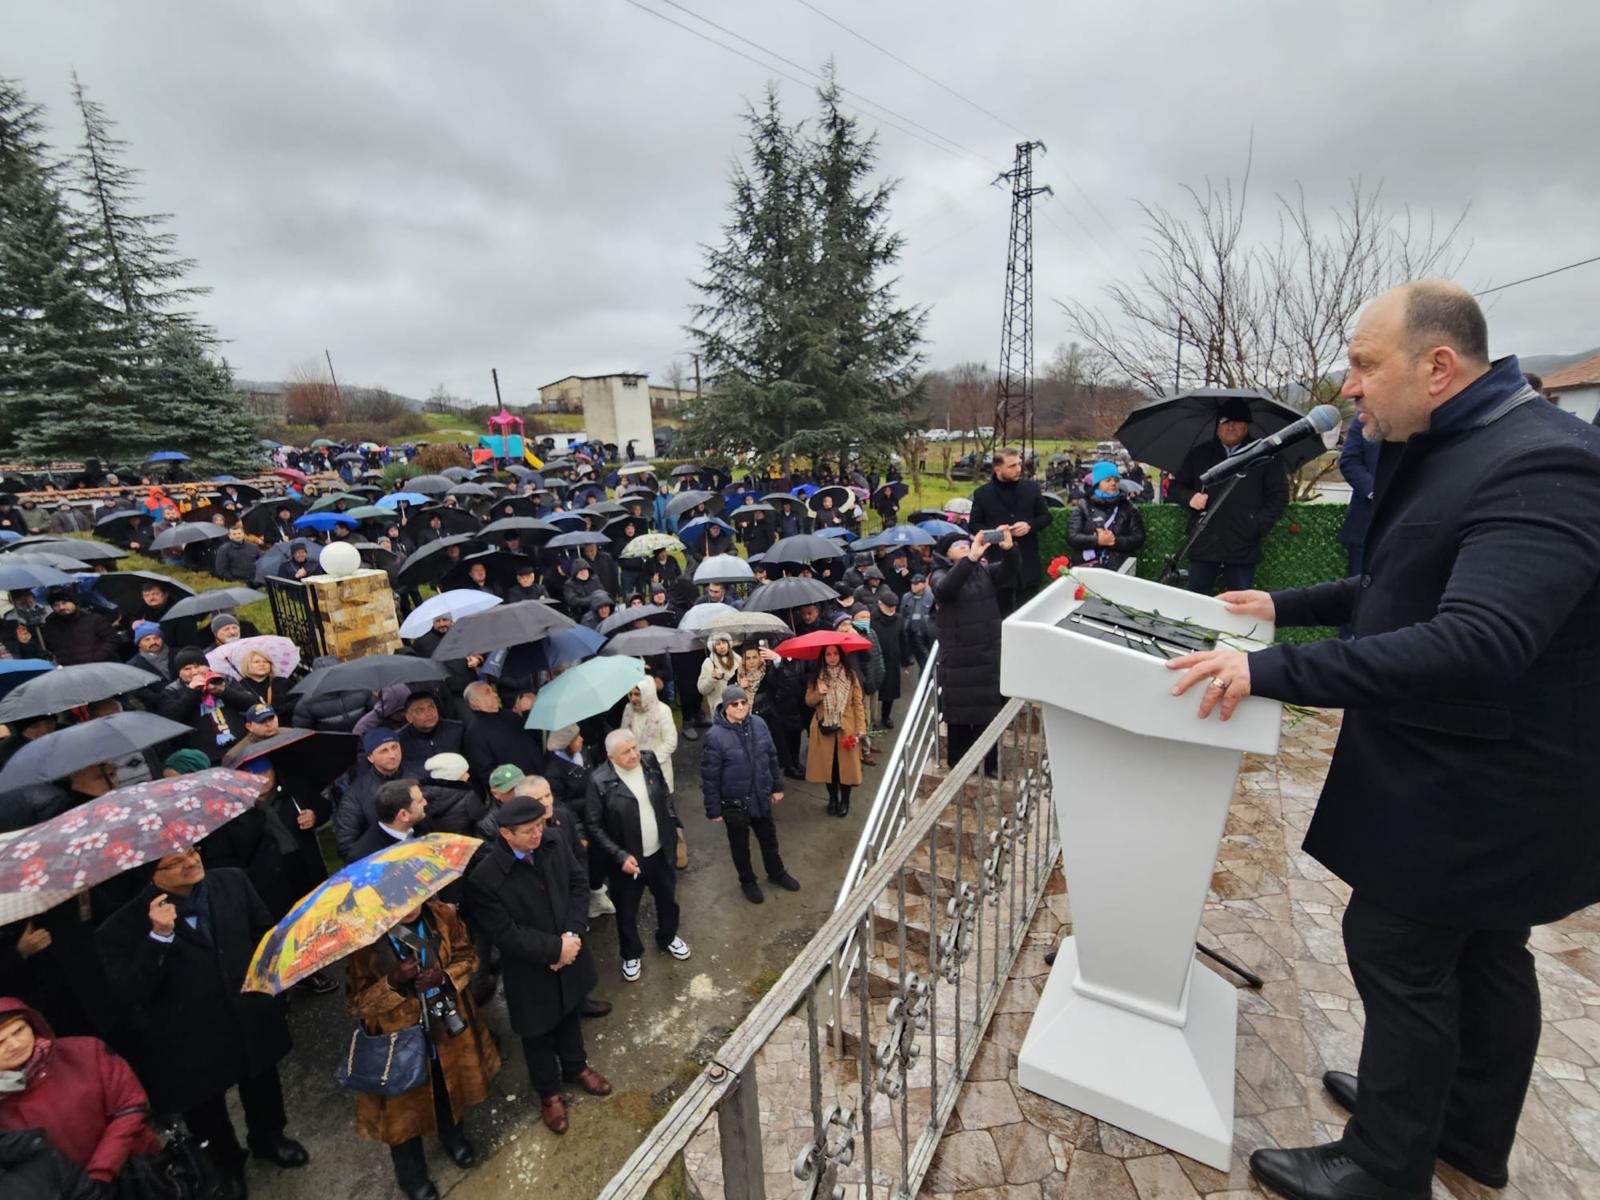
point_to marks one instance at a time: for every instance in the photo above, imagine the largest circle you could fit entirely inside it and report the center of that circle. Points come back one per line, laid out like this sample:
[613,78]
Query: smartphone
[992,536]
[762,643]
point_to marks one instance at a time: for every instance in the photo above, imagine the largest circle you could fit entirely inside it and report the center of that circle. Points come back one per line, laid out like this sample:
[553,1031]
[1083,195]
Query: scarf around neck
[18,1080]
[837,698]
[750,681]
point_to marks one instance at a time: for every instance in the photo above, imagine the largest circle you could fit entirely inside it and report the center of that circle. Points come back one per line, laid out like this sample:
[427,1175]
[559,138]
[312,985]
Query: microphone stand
[1169,568]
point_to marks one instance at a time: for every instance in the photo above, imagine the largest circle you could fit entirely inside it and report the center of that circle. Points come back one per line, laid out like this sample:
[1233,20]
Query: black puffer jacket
[969,644]
[453,807]
[1120,515]
[332,712]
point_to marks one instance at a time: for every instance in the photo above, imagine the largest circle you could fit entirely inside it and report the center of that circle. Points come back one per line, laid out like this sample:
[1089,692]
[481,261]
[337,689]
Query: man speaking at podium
[1462,805]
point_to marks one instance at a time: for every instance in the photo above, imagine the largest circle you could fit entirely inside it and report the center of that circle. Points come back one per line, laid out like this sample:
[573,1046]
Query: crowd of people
[124,1002]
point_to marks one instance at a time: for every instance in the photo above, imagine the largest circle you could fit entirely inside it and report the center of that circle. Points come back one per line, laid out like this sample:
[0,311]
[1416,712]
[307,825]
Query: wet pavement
[660,1031]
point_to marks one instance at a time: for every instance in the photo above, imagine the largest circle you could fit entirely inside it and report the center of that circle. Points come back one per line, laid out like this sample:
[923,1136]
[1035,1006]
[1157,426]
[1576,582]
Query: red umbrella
[292,475]
[809,645]
[124,829]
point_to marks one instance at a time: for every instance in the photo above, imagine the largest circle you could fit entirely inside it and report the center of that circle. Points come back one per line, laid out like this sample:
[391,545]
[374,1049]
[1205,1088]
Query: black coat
[236,561]
[995,504]
[1243,520]
[196,1034]
[969,644]
[612,810]
[1463,788]
[1358,463]
[357,809]
[180,702]
[1127,526]
[417,748]
[569,782]
[524,907]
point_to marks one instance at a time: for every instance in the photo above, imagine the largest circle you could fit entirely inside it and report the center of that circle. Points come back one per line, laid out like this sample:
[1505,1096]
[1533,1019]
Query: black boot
[833,804]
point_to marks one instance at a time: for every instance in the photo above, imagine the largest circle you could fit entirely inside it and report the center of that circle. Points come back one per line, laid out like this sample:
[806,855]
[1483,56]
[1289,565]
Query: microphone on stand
[1315,423]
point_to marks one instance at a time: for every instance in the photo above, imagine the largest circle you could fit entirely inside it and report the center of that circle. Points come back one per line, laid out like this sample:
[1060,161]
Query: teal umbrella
[588,688]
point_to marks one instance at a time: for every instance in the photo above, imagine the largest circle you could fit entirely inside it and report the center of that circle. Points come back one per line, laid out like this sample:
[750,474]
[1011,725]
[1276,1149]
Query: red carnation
[1294,529]
[1080,592]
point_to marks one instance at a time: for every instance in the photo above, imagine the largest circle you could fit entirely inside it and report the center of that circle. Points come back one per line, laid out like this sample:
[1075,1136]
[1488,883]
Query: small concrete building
[1577,388]
[616,408]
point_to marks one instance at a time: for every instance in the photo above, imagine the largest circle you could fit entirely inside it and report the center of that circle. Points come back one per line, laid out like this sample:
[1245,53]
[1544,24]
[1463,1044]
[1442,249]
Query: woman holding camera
[838,723]
[427,959]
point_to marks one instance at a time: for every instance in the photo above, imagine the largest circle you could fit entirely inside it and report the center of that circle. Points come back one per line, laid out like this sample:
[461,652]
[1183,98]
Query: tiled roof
[1577,375]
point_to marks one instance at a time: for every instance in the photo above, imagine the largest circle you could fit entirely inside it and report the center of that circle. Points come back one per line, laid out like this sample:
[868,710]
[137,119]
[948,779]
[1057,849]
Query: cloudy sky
[432,190]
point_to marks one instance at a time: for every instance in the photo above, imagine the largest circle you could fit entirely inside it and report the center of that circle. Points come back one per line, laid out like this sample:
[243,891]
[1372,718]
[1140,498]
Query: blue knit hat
[142,629]
[1103,471]
[377,737]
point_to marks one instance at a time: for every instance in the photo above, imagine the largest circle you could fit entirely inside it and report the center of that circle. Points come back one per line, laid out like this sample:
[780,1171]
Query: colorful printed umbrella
[647,544]
[355,907]
[124,829]
[283,654]
[809,645]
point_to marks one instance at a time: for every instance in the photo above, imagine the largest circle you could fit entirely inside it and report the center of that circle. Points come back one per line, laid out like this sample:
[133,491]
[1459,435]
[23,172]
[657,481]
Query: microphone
[1314,424]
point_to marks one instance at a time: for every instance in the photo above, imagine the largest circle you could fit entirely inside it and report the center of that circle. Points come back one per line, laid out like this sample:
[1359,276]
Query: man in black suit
[531,897]
[1460,803]
[1010,502]
[401,807]
[1230,546]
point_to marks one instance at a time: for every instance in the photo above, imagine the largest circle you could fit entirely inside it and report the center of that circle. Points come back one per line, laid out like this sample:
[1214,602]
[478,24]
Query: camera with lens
[439,1012]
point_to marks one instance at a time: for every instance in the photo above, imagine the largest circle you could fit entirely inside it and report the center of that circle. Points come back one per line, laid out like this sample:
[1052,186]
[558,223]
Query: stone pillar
[358,616]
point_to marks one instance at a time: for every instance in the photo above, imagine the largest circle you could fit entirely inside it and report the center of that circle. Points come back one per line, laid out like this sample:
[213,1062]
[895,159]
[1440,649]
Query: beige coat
[821,747]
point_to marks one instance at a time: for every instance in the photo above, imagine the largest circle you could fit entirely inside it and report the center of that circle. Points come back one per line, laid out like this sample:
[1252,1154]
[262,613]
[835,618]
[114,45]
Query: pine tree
[58,363]
[806,350]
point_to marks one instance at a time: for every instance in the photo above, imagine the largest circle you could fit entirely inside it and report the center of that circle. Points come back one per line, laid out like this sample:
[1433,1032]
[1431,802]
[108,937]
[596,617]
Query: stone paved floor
[1276,910]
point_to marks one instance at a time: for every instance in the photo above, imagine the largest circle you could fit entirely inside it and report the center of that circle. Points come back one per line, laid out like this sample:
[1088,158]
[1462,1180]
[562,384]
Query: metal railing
[974,860]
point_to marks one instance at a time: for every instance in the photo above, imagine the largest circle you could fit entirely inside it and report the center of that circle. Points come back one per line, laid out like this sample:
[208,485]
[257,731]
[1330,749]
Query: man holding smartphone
[1008,503]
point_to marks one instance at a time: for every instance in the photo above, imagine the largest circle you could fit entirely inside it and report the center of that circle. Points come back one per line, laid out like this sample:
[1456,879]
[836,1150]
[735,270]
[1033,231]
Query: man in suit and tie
[531,897]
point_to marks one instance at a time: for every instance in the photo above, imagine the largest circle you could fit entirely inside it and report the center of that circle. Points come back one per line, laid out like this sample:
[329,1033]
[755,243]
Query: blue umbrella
[940,528]
[898,535]
[804,490]
[568,518]
[590,687]
[562,647]
[10,535]
[224,479]
[395,499]
[14,671]
[168,456]
[695,530]
[838,534]
[269,444]
[324,521]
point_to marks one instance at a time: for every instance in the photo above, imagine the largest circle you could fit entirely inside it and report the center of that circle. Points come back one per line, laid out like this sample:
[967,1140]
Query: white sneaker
[678,948]
[630,970]
[600,904]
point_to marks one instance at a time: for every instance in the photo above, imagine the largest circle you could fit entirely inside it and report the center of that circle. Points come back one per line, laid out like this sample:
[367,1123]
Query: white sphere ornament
[340,558]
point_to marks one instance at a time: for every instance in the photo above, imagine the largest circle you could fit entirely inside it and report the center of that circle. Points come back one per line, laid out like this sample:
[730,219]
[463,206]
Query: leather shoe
[282,1152]
[786,881]
[592,1082]
[553,1112]
[1341,1086]
[593,1008]
[462,1152]
[752,892]
[1324,1173]
[423,1191]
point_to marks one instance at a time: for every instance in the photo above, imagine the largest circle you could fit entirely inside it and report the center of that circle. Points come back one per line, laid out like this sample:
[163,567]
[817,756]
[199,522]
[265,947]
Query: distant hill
[276,387]
[1548,364]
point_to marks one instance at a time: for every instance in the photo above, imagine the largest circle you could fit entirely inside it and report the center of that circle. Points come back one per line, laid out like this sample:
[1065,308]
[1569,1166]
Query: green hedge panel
[1303,548]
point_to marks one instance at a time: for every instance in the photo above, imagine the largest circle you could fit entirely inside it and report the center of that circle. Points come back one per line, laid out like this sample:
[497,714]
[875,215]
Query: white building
[616,408]
[1577,388]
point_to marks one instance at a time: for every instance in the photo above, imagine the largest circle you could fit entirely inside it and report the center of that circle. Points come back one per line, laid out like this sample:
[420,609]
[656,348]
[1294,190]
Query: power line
[972,154]
[1541,275]
[860,37]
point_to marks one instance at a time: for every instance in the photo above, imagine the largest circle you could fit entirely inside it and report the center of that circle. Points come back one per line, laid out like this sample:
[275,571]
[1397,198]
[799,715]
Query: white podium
[1130,1028]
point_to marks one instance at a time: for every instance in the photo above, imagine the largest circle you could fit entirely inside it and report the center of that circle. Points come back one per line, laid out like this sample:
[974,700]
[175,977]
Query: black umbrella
[375,556]
[501,565]
[841,497]
[452,520]
[684,501]
[306,760]
[370,674]
[349,456]
[790,592]
[81,549]
[515,506]
[526,528]
[69,687]
[624,617]
[120,524]
[429,485]
[1163,432]
[105,739]
[35,557]
[456,473]
[565,541]
[745,513]
[469,490]
[686,469]
[803,549]
[215,601]
[433,560]
[658,639]
[123,588]
[188,534]
[261,518]
[499,628]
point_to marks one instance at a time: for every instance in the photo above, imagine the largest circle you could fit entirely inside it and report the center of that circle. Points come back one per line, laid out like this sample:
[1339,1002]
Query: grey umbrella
[69,687]
[684,501]
[105,739]
[790,592]
[82,549]
[214,601]
[802,549]
[658,639]
[17,574]
[500,628]
[429,485]
[187,534]
[625,617]
[724,568]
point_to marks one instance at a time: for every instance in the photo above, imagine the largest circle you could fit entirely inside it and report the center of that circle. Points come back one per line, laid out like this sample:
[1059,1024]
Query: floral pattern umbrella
[355,907]
[124,829]
[283,654]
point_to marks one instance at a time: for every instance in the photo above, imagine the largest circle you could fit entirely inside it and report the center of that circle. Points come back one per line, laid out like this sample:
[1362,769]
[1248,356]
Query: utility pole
[696,358]
[495,375]
[1014,409]
[337,397]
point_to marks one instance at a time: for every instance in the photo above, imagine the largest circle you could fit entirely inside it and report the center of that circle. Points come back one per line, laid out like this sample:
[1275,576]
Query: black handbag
[179,1171]
[827,730]
[385,1064]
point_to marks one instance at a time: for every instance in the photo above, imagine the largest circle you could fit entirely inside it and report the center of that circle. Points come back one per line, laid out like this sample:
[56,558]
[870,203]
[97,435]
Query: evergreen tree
[59,364]
[806,349]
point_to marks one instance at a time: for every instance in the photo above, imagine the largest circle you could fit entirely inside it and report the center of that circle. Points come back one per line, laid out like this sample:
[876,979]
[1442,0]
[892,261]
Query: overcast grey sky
[431,190]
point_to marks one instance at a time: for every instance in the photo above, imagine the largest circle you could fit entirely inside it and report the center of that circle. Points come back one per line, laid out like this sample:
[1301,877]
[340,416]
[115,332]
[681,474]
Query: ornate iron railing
[956,889]
[297,616]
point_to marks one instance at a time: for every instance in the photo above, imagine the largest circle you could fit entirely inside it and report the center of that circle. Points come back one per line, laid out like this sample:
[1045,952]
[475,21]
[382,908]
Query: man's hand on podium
[1225,674]
[1256,604]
